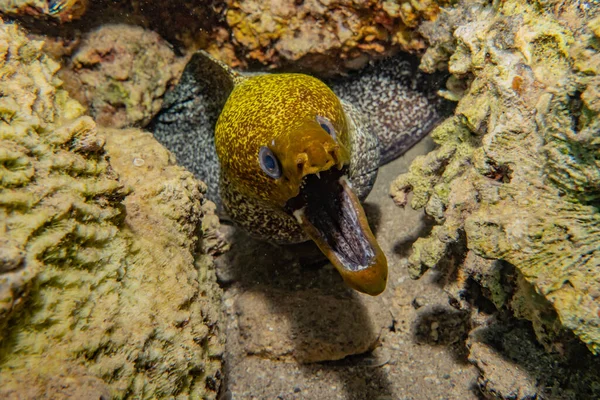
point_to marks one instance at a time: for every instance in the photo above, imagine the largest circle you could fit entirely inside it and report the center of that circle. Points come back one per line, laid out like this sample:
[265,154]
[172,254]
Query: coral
[322,37]
[121,72]
[61,10]
[326,37]
[516,176]
[102,291]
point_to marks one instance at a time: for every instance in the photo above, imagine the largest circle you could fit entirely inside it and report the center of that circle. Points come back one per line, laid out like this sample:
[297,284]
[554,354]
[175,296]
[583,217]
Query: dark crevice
[575,108]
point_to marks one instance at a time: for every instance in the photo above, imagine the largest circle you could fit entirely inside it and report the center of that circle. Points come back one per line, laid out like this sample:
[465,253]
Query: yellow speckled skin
[267,110]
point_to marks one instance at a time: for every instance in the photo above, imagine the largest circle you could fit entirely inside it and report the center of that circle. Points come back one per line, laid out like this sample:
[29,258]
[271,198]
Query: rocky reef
[188,22]
[326,37]
[60,10]
[120,73]
[514,185]
[106,283]
[323,37]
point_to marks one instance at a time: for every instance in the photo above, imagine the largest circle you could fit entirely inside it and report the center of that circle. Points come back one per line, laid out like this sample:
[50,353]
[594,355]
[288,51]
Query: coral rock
[323,328]
[516,176]
[121,72]
[326,37]
[102,293]
[61,10]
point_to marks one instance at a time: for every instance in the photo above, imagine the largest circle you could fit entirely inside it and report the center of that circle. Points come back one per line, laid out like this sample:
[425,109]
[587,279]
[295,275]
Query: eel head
[314,171]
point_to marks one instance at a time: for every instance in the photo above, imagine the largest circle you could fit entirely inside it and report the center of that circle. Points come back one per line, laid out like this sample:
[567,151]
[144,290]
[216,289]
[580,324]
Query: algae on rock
[326,37]
[102,289]
[62,10]
[121,72]
[517,173]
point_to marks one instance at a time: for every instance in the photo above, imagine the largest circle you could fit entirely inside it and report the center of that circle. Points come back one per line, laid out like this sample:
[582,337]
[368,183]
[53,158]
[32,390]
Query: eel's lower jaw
[332,216]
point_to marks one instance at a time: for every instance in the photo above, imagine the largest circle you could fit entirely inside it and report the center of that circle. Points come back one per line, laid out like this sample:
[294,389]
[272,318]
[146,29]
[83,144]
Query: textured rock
[326,37]
[61,10]
[322,37]
[121,72]
[187,22]
[517,173]
[102,292]
[322,328]
[501,378]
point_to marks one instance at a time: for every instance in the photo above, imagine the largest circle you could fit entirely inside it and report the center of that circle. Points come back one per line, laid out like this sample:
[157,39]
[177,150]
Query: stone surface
[59,10]
[322,37]
[326,37]
[323,327]
[514,366]
[501,378]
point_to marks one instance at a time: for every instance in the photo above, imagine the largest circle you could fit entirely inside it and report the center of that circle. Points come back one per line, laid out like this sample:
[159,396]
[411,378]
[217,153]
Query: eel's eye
[269,163]
[326,125]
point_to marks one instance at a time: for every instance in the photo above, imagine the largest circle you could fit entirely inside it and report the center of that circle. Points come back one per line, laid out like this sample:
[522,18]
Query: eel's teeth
[299,214]
[318,174]
[344,179]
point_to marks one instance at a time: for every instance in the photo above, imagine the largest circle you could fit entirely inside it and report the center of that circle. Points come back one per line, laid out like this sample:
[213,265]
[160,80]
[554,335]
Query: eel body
[290,158]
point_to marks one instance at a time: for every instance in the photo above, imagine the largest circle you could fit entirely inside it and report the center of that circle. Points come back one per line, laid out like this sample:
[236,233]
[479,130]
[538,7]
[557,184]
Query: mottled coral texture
[121,72]
[322,37]
[60,10]
[102,290]
[326,36]
[516,176]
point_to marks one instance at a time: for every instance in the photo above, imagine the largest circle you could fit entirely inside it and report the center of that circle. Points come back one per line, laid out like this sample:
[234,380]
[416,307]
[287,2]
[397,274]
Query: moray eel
[289,160]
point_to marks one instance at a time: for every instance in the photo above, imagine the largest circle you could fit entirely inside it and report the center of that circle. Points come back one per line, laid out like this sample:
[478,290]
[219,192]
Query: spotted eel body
[324,145]
[392,96]
[399,101]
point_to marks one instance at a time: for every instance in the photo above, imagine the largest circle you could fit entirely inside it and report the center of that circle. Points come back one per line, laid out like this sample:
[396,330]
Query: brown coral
[326,37]
[120,72]
[61,10]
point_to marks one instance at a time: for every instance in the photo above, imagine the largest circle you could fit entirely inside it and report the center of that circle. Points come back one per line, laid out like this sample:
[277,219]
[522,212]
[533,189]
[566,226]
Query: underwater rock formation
[186,22]
[516,176]
[326,37]
[121,72]
[61,10]
[102,290]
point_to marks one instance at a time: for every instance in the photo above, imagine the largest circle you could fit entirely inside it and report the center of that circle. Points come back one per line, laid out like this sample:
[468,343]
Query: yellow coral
[101,292]
[517,170]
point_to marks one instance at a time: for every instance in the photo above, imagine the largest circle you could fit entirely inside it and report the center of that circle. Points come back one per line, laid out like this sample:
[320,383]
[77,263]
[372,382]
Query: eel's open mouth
[333,217]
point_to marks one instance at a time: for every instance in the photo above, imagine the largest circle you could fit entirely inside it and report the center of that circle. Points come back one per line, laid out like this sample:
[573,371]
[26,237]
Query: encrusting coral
[102,289]
[516,176]
[322,37]
[61,10]
[326,37]
[121,72]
